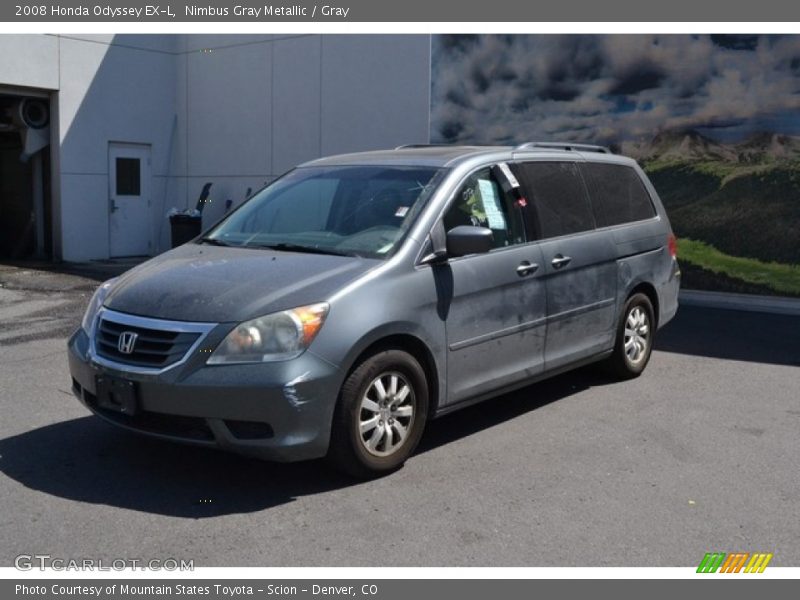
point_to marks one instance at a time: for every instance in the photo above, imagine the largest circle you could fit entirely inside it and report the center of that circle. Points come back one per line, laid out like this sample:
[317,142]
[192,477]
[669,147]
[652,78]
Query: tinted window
[482,202]
[618,194]
[558,204]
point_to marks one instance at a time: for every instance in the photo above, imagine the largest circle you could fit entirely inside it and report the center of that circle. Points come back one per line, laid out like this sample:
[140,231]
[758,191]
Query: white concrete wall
[236,110]
[29,60]
[258,105]
[111,92]
[227,114]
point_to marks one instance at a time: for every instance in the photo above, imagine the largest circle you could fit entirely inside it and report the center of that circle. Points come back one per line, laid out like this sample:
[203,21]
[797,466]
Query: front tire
[634,342]
[380,416]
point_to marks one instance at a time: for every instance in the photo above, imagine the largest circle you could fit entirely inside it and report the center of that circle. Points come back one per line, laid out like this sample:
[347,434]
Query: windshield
[349,210]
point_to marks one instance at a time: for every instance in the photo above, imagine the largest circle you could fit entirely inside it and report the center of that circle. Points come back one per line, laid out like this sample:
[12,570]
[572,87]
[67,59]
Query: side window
[558,195]
[618,194]
[482,202]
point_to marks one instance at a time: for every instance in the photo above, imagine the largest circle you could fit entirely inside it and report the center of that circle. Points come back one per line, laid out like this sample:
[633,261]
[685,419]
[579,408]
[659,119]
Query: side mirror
[468,239]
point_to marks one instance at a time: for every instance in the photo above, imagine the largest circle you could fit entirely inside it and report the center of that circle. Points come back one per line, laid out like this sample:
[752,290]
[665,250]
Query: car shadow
[87,460]
[485,415]
[732,335]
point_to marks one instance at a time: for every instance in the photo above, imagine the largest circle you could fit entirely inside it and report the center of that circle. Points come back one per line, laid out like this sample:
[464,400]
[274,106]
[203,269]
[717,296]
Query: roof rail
[404,146]
[563,146]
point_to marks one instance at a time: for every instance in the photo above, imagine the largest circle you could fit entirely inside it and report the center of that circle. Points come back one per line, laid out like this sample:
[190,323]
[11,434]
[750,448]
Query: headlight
[94,305]
[279,336]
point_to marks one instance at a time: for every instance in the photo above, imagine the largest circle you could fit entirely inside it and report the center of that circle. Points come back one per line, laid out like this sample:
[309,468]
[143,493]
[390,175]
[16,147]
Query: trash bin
[184,227]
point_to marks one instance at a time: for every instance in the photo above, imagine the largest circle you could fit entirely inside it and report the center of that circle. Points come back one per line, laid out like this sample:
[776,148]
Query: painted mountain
[734,206]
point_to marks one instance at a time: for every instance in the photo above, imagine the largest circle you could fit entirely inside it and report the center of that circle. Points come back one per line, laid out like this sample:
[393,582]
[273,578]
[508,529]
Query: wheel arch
[414,346]
[649,290]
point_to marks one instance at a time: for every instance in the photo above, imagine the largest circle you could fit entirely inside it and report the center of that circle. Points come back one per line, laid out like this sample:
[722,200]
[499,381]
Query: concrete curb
[749,302]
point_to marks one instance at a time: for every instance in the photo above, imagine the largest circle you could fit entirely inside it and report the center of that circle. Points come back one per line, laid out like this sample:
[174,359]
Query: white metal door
[129,199]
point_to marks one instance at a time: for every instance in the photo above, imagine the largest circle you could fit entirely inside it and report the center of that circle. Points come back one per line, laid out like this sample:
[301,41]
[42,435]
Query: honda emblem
[126,341]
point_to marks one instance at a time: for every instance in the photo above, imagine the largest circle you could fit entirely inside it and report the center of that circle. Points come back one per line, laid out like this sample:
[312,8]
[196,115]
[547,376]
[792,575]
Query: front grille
[155,348]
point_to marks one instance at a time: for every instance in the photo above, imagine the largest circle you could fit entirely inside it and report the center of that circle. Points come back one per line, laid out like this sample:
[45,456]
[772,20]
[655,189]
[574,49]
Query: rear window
[558,197]
[618,194]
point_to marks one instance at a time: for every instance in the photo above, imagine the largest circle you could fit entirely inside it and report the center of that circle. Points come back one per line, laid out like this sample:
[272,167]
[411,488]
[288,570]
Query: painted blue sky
[613,88]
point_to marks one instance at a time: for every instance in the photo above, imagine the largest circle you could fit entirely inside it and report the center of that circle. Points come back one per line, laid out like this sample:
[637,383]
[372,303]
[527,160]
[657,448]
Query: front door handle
[559,260]
[526,268]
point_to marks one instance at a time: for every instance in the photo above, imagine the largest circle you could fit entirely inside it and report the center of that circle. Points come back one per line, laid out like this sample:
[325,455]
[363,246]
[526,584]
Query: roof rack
[563,146]
[404,146]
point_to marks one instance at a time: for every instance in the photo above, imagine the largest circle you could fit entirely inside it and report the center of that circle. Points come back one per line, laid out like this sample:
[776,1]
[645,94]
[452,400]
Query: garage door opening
[25,198]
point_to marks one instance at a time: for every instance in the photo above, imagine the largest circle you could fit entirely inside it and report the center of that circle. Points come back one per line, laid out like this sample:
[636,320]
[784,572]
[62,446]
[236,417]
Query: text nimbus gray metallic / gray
[266,11]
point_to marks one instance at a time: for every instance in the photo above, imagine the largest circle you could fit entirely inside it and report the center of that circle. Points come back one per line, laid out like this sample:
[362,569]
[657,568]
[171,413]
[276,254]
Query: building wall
[255,106]
[235,110]
[111,89]
[29,60]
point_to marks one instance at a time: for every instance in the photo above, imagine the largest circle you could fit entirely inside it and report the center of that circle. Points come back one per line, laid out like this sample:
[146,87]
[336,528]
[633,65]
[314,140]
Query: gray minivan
[358,296]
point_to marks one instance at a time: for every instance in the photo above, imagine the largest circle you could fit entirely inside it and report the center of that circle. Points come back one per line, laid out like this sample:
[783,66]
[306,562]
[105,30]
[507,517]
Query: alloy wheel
[386,413]
[637,335]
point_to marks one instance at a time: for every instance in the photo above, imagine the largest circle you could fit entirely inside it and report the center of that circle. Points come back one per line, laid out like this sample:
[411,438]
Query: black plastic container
[183,228]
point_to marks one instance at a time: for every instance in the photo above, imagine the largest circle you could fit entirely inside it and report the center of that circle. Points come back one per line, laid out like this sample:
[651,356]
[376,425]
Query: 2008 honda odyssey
[358,296]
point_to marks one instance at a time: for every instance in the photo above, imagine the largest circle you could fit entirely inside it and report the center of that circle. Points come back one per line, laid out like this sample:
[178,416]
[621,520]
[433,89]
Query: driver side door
[495,323]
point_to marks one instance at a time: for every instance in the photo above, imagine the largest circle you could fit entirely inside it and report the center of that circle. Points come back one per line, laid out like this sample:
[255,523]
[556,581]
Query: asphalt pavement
[699,454]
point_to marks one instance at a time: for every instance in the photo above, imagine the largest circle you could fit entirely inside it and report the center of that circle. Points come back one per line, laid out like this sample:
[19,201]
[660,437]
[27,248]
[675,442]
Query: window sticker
[491,204]
[386,248]
[401,212]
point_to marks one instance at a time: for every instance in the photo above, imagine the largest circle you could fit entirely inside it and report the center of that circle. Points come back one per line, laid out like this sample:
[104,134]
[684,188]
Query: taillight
[672,245]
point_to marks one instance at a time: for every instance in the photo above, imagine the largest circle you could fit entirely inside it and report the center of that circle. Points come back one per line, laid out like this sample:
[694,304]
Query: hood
[220,284]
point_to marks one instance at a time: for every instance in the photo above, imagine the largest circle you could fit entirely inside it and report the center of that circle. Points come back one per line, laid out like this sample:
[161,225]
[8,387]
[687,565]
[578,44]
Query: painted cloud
[612,88]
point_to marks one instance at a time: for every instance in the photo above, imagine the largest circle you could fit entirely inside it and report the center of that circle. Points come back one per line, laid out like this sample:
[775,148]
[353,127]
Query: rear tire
[634,343]
[380,415]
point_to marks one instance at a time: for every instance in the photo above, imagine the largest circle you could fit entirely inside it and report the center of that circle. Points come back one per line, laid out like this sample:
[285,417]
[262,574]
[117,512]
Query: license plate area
[114,394]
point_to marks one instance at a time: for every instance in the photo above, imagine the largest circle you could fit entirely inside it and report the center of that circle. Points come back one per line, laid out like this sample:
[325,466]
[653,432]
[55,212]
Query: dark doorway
[25,206]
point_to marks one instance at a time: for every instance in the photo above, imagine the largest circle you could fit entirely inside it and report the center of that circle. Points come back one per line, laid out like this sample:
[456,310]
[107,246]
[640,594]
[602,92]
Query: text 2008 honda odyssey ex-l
[358,296]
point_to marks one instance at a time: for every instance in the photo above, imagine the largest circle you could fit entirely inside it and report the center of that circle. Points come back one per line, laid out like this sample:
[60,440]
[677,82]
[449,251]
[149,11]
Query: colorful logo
[734,562]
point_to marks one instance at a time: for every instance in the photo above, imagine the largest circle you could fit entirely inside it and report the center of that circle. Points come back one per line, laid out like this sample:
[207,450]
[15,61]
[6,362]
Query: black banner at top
[260,11]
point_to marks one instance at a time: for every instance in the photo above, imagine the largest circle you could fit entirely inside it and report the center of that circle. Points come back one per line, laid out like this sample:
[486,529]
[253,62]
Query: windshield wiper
[213,242]
[289,247]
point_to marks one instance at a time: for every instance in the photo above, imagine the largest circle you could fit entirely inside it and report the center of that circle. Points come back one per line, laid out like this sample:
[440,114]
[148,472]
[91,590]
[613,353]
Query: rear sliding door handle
[526,268]
[559,260]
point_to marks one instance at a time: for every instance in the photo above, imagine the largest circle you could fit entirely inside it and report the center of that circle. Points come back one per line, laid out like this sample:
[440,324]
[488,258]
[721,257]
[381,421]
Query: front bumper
[278,411]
